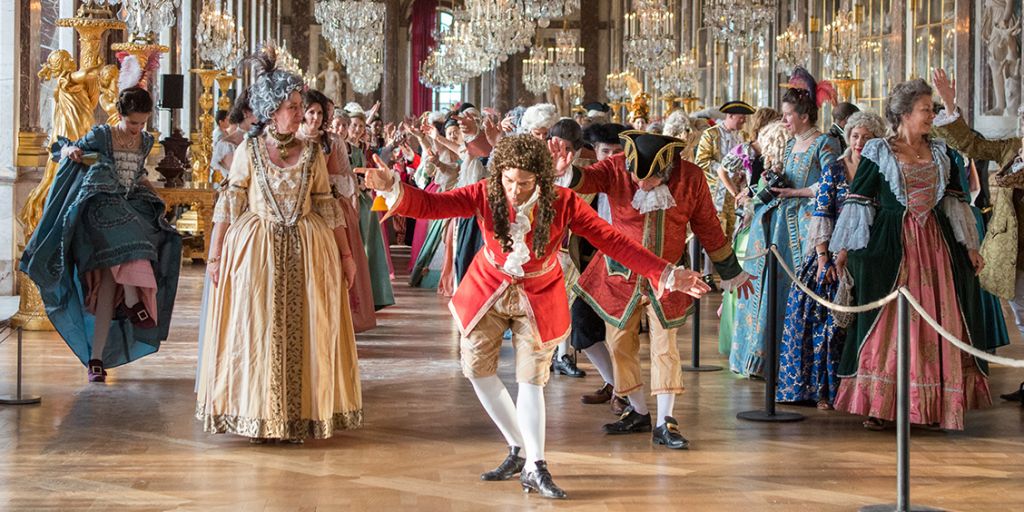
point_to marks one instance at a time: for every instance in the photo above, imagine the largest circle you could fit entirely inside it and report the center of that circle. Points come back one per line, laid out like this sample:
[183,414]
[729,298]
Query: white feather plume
[131,73]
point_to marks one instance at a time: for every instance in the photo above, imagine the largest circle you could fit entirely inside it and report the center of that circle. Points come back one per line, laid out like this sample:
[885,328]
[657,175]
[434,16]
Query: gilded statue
[108,93]
[74,99]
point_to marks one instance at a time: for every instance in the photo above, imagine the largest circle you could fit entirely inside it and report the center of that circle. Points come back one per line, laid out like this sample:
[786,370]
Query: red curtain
[424,18]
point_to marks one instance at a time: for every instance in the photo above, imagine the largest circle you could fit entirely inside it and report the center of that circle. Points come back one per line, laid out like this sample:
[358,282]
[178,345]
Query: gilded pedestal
[224,82]
[203,150]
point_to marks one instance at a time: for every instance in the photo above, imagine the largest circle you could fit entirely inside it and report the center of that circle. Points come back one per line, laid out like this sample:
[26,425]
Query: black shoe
[630,422]
[566,366]
[1016,396]
[510,467]
[539,480]
[668,435]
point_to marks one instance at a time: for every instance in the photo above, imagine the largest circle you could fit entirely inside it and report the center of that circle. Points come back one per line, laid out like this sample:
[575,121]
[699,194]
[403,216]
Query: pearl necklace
[809,134]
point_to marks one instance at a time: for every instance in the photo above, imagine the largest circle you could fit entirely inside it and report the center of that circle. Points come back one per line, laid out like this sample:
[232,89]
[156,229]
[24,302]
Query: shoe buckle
[672,427]
[142,315]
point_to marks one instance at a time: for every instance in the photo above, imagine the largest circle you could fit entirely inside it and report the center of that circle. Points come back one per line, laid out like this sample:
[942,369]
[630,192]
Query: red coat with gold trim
[611,288]
[543,286]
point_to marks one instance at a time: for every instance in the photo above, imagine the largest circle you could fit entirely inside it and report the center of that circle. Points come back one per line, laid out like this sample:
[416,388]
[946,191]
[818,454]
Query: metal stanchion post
[771,360]
[695,366]
[18,398]
[902,419]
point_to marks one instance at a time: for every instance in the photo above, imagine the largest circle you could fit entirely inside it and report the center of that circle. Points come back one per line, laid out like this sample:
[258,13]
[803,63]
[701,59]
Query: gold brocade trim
[720,255]
[279,428]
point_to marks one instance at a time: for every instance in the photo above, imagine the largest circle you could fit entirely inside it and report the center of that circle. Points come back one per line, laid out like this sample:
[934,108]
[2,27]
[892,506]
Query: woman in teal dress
[104,258]
[441,167]
[369,221]
[787,217]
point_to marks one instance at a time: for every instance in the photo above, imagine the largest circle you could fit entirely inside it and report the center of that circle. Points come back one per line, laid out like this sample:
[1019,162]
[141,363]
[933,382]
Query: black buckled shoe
[509,468]
[539,480]
[631,422]
[566,366]
[668,435]
[1016,396]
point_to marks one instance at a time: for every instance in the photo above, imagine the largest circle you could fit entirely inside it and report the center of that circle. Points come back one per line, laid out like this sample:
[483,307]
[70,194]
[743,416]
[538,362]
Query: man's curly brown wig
[529,154]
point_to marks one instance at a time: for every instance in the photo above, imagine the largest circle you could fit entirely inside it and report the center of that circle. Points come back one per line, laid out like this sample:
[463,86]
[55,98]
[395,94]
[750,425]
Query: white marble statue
[1000,29]
[332,82]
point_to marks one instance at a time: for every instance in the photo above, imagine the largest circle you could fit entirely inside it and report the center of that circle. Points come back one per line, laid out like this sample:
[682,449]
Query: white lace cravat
[520,254]
[660,198]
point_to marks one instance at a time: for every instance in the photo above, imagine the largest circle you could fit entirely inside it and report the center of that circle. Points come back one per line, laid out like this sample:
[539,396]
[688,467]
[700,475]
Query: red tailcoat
[543,284]
[611,288]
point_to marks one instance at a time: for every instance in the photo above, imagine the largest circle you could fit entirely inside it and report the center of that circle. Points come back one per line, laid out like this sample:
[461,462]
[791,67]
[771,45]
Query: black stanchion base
[764,416]
[701,368]
[891,507]
[19,400]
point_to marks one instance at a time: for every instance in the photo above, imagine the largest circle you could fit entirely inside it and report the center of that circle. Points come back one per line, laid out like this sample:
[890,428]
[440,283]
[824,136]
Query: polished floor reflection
[132,444]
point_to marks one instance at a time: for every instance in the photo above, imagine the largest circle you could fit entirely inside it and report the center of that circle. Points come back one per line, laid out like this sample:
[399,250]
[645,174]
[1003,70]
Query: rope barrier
[956,342]
[829,304]
[755,256]
[1014,363]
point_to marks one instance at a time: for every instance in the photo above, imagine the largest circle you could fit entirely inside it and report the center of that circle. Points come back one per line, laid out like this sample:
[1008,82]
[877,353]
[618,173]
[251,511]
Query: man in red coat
[654,194]
[515,282]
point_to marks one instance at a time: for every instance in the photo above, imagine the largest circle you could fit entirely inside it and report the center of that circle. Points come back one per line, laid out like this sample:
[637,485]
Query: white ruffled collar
[660,198]
[518,229]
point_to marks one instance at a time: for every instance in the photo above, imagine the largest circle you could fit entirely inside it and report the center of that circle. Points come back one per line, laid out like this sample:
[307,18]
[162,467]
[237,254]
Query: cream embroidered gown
[279,355]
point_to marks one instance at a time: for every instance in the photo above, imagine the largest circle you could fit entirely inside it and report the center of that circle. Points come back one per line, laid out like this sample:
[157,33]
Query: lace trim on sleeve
[945,117]
[231,204]
[961,219]
[819,231]
[327,206]
[853,228]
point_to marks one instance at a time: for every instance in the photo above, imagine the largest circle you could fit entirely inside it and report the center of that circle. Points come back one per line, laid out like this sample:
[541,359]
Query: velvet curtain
[424,18]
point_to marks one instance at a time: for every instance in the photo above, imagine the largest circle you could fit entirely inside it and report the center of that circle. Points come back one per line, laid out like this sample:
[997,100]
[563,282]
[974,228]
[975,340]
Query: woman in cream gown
[279,357]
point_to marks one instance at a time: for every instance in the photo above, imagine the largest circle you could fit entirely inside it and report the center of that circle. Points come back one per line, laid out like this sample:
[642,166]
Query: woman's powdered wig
[529,154]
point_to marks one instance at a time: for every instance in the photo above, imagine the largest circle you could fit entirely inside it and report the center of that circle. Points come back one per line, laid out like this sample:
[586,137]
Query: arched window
[445,97]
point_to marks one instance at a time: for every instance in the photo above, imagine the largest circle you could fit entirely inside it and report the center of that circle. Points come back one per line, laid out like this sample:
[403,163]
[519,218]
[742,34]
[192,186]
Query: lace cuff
[667,281]
[344,185]
[961,219]
[327,206]
[232,203]
[731,285]
[819,231]
[944,118]
[1017,166]
[853,229]
[394,195]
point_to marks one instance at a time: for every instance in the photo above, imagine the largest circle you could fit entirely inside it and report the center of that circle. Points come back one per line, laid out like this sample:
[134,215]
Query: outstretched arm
[409,201]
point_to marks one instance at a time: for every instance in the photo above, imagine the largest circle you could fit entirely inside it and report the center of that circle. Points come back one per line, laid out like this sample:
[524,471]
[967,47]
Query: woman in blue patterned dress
[787,217]
[104,258]
[811,340]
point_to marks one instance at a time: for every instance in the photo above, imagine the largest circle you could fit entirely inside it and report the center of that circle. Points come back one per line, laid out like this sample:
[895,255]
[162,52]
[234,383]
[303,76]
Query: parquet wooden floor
[133,444]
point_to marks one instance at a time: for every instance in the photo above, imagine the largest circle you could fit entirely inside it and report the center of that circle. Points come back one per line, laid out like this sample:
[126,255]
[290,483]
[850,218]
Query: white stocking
[498,404]
[602,360]
[563,348]
[532,418]
[638,400]
[131,296]
[666,403]
[104,312]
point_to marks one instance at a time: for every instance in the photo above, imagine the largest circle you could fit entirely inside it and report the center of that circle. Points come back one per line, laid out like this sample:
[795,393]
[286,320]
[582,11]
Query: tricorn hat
[737,107]
[649,154]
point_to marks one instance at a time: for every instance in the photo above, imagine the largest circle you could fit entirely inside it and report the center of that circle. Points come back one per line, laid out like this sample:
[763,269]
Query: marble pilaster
[590,41]
[9,124]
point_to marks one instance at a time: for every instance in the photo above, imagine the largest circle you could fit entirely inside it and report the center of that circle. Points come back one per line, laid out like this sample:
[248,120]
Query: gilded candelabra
[75,97]
[224,82]
[203,151]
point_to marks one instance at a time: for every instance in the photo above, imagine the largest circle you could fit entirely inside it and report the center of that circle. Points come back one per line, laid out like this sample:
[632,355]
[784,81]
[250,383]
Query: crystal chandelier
[791,48]
[677,78]
[147,18]
[565,60]
[841,45]
[535,71]
[650,34]
[617,86]
[500,27]
[216,35]
[287,61]
[546,10]
[355,30]
[739,23]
